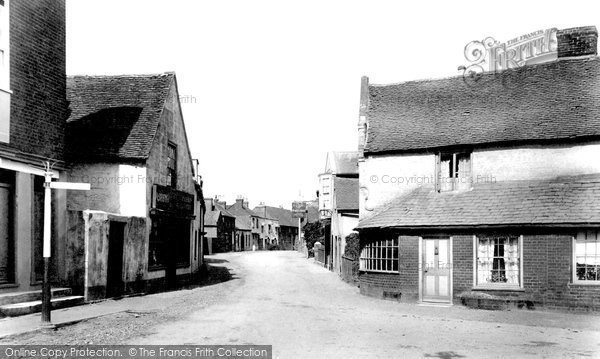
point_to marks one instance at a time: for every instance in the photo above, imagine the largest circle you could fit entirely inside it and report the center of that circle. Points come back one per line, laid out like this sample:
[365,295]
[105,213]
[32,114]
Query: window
[498,261]
[326,185]
[380,256]
[172,165]
[453,171]
[587,257]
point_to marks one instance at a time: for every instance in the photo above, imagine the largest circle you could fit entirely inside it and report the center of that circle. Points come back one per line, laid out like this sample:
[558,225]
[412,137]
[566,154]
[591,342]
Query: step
[21,297]
[16,309]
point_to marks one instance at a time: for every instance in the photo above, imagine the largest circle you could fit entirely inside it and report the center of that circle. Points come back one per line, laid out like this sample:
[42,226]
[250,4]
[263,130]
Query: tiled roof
[565,200]
[345,162]
[284,216]
[115,116]
[549,101]
[243,217]
[211,218]
[346,193]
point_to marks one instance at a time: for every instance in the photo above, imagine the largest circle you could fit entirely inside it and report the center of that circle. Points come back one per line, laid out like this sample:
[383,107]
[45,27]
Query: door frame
[451,263]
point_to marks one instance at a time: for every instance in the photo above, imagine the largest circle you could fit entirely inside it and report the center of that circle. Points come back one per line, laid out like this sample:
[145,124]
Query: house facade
[341,168]
[220,227]
[287,226]
[485,193]
[33,111]
[267,227]
[245,226]
[143,217]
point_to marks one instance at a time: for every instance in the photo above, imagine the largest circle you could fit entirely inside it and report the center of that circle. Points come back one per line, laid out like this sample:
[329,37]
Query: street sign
[299,209]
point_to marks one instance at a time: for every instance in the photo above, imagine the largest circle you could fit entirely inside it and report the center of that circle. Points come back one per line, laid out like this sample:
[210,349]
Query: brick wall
[547,273]
[402,286]
[462,263]
[577,41]
[38,81]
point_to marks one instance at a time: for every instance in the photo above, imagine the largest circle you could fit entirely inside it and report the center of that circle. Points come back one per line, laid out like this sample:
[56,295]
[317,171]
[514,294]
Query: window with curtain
[498,261]
[453,171]
[587,256]
[380,256]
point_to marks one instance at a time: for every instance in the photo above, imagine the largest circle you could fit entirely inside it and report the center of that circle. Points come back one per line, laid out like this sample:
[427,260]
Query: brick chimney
[362,114]
[240,202]
[577,41]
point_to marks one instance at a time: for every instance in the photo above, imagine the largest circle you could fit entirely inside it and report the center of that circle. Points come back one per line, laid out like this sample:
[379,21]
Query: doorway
[114,277]
[436,269]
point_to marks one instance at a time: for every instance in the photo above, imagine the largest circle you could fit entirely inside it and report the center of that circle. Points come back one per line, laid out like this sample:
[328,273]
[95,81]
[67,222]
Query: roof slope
[564,200]
[346,193]
[284,216]
[342,162]
[115,116]
[556,100]
[243,217]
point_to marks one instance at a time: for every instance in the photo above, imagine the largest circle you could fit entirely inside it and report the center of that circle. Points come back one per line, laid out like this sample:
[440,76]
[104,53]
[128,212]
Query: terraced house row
[485,192]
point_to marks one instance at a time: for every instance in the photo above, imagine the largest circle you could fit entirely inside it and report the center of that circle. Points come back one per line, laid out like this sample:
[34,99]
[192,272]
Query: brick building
[485,193]
[141,224]
[33,110]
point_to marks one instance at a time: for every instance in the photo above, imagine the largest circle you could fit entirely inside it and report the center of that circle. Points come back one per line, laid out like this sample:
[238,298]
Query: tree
[352,246]
[313,232]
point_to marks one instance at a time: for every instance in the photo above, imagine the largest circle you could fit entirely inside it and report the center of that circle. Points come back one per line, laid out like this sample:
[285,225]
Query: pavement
[303,310]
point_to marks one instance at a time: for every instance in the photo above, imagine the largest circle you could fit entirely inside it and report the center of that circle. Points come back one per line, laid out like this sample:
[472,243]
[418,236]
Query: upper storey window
[4,72]
[453,171]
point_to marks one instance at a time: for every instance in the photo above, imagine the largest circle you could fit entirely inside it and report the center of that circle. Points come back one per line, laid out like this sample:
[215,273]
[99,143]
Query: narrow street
[305,311]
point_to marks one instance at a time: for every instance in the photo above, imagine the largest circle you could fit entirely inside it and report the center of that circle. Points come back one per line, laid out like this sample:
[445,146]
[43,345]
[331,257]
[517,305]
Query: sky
[268,87]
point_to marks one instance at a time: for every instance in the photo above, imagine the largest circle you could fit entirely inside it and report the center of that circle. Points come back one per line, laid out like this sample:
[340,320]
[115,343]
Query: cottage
[287,229]
[220,227]
[485,193]
[247,232]
[140,225]
[267,226]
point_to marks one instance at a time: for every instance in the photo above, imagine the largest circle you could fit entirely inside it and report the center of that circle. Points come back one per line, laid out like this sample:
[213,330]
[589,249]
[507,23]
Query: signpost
[48,187]
[299,211]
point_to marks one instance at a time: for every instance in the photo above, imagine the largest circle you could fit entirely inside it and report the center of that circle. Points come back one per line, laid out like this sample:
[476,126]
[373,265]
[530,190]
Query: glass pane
[443,253]
[580,248]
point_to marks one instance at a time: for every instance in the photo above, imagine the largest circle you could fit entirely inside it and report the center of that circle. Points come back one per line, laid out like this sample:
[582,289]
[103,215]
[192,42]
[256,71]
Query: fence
[349,271]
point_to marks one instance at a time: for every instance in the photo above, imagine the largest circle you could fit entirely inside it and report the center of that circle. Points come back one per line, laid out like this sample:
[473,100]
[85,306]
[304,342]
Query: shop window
[453,171]
[498,260]
[172,165]
[182,236]
[380,256]
[587,257]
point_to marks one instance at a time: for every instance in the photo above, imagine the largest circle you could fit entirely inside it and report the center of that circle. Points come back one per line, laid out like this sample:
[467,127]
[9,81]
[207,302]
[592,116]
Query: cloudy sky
[268,87]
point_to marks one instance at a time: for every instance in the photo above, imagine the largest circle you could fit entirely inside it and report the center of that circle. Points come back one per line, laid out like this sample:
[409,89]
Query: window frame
[455,172]
[497,286]
[574,278]
[5,47]
[171,171]
[367,260]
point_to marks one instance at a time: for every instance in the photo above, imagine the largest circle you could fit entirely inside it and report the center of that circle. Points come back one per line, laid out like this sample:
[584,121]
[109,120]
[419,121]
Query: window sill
[9,285]
[586,283]
[378,271]
[499,288]
[156,268]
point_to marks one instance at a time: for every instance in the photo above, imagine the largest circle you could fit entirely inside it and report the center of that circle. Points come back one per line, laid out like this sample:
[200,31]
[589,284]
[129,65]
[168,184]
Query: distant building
[219,226]
[288,226]
[267,226]
[244,225]
[344,216]
[338,166]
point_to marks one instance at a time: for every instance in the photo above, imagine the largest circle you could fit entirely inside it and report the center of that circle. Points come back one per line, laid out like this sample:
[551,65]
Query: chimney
[246,204]
[362,115]
[240,201]
[577,41]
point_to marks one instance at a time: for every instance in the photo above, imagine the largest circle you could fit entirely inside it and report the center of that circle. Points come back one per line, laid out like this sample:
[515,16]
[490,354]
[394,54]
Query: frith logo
[489,55]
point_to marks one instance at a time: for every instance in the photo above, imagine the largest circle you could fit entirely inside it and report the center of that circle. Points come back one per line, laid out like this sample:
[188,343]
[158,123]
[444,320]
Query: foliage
[274,247]
[352,246]
[313,232]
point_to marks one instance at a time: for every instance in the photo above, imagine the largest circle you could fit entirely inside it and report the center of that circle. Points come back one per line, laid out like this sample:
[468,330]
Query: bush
[313,232]
[352,250]
[274,247]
